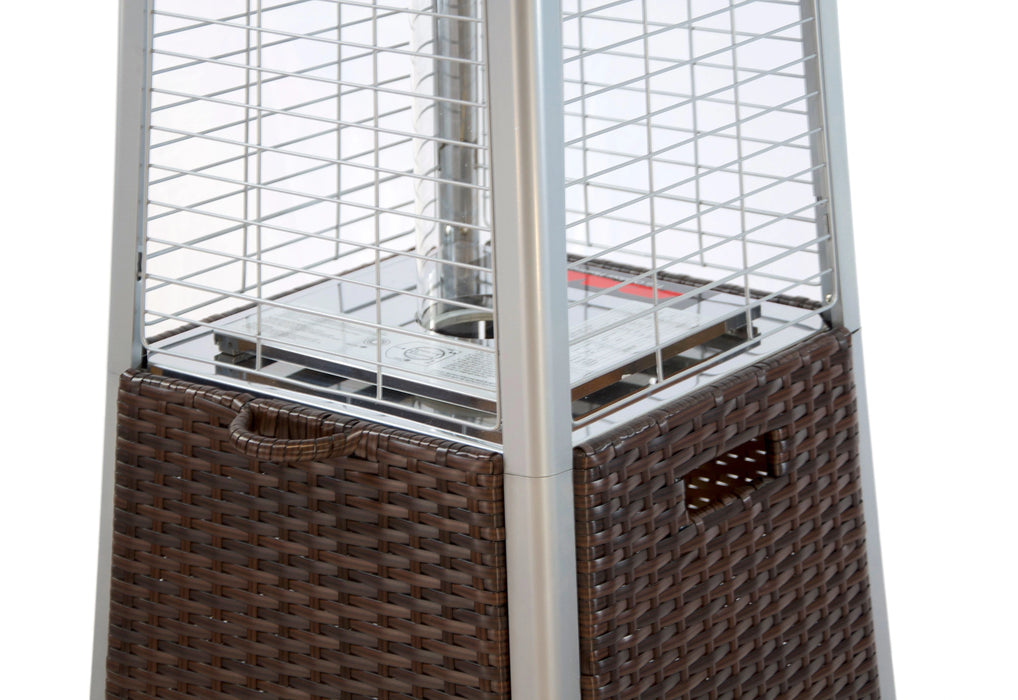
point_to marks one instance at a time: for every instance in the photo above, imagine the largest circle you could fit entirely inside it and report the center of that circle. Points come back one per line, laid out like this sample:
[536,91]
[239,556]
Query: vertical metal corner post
[524,39]
[124,345]
[846,312]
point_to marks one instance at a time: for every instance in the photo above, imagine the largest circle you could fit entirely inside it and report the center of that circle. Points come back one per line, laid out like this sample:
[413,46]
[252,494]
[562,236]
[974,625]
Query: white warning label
[612,338]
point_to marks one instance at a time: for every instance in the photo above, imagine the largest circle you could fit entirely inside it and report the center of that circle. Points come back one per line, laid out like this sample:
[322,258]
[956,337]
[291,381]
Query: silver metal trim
[817,113]
[528,173]
[878,596]
[846,314]
[124,349]
[846,311]
[544,635]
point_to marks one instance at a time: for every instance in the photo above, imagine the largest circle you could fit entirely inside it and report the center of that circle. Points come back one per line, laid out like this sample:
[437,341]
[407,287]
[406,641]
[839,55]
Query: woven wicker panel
[376,572]
[763,594]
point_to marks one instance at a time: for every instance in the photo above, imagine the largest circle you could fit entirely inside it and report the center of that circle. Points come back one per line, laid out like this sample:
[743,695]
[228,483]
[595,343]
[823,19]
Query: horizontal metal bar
[379,367]
[226,293]
[313,78]
[682,63]
[260,221]
[177,30]
[260,260]
[671,186]
[686,24]
[388,11]
[183,313]
[669,108]
[277,304]
[572,16]
[232,193]
[251,149]
[811,281]
[247,85]
[242,223]
[264,81]
[345,162]
[672,95]
[644,36]
[236,52]
[472,18]
[686,219]
[234,159]
[763,72]
[240,122]
[777,218]
[660,28]
[693,200]
[685,164]
[208,133]
[323,235]
[729,32]
[311,117]
[672,301]
[696,137]
[364,246]
[317,199]
[680,376]
[202,22]
[310,390]
[373,48]
[725,239]
[753,303]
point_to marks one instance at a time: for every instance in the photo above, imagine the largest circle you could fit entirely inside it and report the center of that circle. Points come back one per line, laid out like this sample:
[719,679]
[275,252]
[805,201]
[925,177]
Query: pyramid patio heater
[485,349]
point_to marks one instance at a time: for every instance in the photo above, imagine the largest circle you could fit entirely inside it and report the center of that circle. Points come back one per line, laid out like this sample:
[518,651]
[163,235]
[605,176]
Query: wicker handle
[739,473]
[277,433]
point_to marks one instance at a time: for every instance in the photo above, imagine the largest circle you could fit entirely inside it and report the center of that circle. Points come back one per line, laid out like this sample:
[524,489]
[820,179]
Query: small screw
[828,298]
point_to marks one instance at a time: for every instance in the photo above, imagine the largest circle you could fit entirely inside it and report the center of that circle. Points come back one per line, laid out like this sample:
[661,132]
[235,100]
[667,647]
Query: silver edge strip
[846,314]
[124,348]
[874,558]
[846,311]
[528,173]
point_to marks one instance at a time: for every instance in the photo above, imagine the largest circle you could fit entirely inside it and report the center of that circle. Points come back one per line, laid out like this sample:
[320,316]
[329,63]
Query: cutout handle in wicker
[276,432]
[736,473]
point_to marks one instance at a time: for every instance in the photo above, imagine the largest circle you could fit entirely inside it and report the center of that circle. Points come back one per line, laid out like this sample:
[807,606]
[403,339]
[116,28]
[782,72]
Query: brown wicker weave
[759,590]
[363,562]
[265,550]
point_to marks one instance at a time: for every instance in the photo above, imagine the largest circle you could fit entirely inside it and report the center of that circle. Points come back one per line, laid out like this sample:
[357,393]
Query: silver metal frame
[821,154]
[528,175]
[124,346]
[846,314]
[846,311]
[527,163]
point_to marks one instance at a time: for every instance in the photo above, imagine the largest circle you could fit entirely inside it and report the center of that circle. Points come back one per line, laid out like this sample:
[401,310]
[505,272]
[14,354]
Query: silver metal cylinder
[456,274]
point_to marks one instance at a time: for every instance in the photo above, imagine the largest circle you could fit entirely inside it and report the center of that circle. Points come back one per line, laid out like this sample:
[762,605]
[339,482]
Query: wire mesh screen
[318,220]
[318,215]
[695,185]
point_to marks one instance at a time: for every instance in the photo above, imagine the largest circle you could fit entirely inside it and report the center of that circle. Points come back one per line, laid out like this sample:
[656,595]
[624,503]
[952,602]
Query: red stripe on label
[638,290]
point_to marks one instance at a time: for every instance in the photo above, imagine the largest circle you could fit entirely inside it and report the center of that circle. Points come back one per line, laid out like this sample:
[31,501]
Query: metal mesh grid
[308,158]
[694,150]
[292,147]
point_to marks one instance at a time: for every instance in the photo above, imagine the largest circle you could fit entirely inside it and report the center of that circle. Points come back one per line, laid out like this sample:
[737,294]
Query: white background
[929,89]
